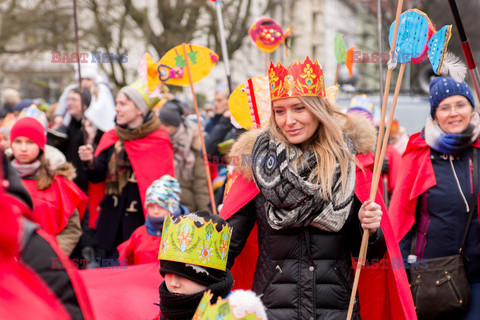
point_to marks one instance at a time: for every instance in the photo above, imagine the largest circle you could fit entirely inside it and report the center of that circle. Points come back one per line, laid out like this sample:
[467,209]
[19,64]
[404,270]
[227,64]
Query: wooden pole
[374,186]
[336,74]
[204,150]
[266,64]
[375,179]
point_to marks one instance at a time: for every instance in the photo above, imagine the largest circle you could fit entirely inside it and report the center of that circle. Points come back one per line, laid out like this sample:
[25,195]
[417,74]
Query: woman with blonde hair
[307,211]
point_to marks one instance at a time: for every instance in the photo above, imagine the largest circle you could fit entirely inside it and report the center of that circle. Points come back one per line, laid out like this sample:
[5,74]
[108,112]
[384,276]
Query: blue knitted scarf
[452,143]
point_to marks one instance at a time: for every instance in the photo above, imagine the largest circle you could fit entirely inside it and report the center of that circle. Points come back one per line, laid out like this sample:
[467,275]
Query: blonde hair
[328,143]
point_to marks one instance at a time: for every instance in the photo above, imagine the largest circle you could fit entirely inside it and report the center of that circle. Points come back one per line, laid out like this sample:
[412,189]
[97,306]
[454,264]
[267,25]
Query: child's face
[25,150]
[180,285]
[156,211]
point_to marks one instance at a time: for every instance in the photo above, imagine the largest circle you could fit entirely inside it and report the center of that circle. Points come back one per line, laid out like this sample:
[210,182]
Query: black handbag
[440,286]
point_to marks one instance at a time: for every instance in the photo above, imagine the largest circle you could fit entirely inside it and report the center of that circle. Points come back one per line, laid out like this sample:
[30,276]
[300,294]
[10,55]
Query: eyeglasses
[446,109]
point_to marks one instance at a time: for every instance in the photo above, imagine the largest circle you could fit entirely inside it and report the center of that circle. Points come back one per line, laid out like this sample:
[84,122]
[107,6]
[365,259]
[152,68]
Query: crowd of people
[124,180]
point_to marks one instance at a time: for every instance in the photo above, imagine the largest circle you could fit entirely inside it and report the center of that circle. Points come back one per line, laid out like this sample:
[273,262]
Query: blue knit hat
[441,88]
[165,192]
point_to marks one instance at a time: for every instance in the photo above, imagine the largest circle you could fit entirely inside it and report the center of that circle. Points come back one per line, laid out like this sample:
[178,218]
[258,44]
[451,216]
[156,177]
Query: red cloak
[415,178]
[53,206]
[23,295]
[124,293]
[383,289]
[73,273]
[151,158]
[140,248]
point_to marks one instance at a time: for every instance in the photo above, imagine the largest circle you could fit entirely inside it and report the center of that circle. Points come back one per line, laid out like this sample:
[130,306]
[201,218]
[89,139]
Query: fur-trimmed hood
[361,131]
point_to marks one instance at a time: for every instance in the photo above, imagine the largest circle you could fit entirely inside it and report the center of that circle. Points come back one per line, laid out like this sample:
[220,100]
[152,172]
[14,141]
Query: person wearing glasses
[435,185]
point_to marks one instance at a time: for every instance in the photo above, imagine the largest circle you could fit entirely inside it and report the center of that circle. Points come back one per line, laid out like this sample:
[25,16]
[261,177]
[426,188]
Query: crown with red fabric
[300,80]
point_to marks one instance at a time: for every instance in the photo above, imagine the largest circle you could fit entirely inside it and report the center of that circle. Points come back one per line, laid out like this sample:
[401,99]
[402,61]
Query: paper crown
[203,246]
[301,80]
[224,309]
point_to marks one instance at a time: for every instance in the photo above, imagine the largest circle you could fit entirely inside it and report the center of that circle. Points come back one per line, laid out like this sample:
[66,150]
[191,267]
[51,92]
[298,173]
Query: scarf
[25,170]
[452,143]
[119,166]
[293,201]
[150,124]
[154,225]
[184,158]
[183,306]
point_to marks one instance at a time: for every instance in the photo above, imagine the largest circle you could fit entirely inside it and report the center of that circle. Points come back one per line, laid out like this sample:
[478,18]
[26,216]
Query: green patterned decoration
[203,246]
[222,310]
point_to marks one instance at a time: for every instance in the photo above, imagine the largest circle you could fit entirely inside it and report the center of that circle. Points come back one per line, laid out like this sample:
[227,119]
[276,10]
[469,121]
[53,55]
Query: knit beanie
[138,93]
[30,128]
[165,192]
[171,113]
[441,88]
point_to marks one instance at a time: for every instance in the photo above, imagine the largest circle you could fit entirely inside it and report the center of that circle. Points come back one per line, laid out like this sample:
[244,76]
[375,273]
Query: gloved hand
[385,166]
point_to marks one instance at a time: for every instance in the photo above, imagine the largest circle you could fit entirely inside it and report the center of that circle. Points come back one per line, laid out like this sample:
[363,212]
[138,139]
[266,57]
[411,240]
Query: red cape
[53,207]
[124,294]
[383,288]
[140,248]
[415,178]
[77,283]
[23,294]
[394,158]
[151,158]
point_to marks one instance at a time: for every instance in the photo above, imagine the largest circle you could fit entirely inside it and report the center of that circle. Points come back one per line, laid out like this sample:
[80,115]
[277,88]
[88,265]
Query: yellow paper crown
[204,246]
[301,80]
[220,310]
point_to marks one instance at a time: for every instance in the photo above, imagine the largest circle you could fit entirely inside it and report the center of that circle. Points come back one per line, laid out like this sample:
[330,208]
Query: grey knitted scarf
[293,201]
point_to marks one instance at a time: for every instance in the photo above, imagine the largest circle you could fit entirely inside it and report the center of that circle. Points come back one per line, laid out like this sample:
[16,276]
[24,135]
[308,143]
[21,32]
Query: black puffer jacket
[303,273]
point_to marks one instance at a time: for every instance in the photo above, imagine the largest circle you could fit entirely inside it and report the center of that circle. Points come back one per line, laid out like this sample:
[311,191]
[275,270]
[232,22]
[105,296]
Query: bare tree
[172,23]
[29,26]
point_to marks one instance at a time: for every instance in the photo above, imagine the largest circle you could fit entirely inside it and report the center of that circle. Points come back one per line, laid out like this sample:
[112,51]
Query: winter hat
[34,113]
[89,70]
[171,113]
[200,252]
[362,111]
[30,128]
[138,93]
[165,192]
[23,104]
[441,88]
[240,304]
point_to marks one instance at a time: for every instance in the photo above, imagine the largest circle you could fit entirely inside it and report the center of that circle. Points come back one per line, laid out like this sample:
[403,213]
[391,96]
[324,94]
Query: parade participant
[308,212]
[41,253]
[435,187]
[162,199]
[193,257]
[189,168]
[23,295]
[129,157]
[58,204]
[77,136]
[100,109]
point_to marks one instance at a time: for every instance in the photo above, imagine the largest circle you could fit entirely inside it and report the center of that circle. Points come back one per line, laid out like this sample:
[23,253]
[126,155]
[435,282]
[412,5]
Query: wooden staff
[378,158]
[204,150]
[266,64]
[336,74]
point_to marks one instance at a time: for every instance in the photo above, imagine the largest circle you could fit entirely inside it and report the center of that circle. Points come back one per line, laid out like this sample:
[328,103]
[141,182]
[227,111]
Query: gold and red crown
[301,80]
